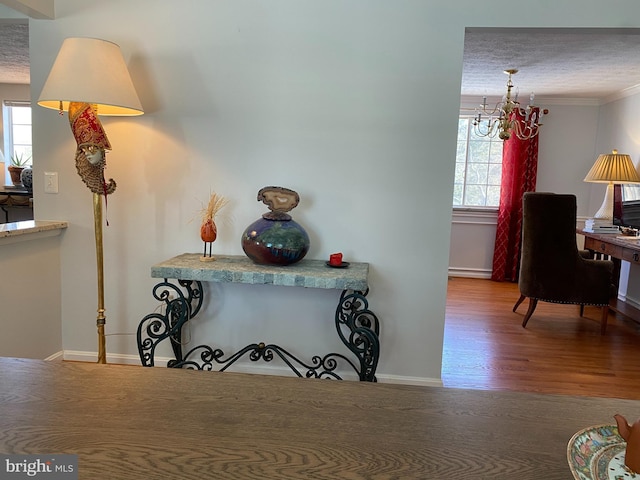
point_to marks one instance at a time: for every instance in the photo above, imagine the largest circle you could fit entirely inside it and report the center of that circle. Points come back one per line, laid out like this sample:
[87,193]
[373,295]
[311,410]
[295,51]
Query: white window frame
[493,166]
[8,128]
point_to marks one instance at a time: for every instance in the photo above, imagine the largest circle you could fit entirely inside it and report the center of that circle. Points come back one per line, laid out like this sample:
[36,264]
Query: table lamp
[89,78]
[612,168]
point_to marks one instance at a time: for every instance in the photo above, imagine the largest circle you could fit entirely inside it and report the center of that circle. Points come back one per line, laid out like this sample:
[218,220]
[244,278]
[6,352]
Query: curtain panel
[519,174]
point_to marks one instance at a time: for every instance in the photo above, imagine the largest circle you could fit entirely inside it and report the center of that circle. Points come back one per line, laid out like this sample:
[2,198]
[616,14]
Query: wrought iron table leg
[182,302]
[359,329]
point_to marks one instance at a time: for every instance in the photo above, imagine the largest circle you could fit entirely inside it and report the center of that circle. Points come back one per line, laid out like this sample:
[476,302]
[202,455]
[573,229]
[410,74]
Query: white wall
[7,12]
[353,104]
[30,298]
[567,152]
[33,8]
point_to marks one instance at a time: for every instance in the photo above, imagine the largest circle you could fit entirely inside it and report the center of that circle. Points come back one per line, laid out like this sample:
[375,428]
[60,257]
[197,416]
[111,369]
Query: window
[17,130]
[478,168]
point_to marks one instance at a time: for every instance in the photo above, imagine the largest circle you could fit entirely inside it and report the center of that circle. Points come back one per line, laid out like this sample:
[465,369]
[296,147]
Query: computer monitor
[626,206]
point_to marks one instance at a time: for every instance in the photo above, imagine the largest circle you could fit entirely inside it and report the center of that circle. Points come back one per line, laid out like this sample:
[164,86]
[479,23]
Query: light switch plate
[50,182]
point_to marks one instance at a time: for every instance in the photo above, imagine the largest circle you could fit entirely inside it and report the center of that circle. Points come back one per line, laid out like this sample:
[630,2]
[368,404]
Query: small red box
[335,259]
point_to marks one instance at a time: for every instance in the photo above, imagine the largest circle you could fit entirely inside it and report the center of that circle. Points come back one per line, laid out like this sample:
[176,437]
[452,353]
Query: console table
[14,197]
[357,326]
[610,245]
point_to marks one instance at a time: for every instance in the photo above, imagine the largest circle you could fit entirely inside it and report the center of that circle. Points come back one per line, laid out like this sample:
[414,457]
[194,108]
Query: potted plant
[18,163]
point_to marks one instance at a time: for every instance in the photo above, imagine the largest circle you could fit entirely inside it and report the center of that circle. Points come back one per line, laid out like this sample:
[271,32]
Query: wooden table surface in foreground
[157,423]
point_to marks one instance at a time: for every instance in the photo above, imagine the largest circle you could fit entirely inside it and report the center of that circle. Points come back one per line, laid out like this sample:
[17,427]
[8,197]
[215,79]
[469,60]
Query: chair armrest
[600,266]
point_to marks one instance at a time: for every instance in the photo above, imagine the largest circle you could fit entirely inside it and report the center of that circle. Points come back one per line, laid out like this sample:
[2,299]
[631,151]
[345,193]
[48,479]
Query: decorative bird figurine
[631,434]
[208,228]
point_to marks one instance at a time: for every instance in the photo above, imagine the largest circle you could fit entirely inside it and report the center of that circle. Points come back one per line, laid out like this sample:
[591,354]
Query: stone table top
[29,230]
[240,269]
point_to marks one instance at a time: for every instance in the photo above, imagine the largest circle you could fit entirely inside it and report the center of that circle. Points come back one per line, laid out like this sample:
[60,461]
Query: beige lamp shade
[93,71]
[613,167]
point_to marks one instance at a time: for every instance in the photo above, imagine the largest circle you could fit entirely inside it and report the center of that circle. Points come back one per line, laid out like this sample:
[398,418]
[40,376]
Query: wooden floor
[485,346]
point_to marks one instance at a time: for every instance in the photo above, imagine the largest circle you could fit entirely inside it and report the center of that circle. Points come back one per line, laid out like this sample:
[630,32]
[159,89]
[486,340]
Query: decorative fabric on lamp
[611,168]
[89,78]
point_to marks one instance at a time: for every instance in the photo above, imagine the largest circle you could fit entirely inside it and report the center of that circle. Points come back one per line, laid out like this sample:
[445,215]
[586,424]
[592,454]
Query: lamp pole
[101,319]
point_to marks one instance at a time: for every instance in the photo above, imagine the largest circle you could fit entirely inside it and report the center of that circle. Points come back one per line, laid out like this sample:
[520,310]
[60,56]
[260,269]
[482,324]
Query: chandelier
[508,117]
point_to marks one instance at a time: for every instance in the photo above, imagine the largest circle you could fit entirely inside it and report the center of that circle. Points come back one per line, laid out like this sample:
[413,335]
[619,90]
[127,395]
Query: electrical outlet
[50,182]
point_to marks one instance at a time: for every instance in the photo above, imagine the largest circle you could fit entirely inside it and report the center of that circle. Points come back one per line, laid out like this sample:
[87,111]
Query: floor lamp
[89,78]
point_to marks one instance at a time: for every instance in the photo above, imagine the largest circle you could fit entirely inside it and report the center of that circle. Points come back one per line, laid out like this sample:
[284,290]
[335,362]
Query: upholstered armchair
[551,267]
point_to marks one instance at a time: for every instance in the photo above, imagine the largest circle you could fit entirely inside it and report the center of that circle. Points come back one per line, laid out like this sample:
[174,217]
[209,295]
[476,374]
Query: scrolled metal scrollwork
[181,303]
[204,357]
[362,329]
[357,327]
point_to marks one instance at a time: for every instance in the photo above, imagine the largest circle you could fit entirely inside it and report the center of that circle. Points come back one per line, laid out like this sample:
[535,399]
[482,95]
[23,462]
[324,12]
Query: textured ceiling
[561,63]
[14,52]
[564,63]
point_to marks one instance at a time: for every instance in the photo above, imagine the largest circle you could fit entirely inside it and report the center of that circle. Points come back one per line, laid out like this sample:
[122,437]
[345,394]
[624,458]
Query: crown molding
[627,92]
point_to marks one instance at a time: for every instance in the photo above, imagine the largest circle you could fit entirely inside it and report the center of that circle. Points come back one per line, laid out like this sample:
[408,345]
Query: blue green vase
[276,239]
[275,242]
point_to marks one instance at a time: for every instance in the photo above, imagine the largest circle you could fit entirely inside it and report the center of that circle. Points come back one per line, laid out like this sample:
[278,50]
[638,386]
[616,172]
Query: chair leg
[582,310]
[520,300]
[603,319]
[533,303]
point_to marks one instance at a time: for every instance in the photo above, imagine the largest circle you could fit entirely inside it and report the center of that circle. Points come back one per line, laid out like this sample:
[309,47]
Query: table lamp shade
[93,71]
[613,167]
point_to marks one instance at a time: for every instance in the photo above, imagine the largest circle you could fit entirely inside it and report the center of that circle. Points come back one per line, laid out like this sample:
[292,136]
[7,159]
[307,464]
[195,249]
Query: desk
[357,326]
[14,197]
[618,249]
[137,423]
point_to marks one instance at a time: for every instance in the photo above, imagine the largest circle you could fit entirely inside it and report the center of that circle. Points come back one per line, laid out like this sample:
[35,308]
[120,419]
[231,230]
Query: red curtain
[519,173]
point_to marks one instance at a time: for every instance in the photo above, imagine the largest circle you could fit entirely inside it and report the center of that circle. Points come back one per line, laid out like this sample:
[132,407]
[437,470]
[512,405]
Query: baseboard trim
[470,273]
[631,301]
[403,380]
[125,359]
[55,357]
[92,357]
